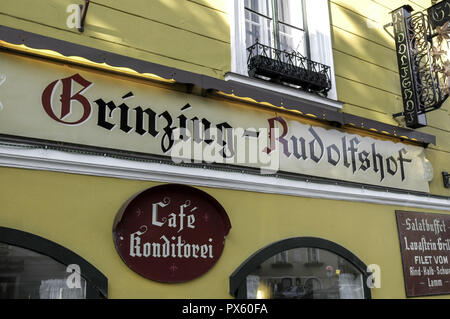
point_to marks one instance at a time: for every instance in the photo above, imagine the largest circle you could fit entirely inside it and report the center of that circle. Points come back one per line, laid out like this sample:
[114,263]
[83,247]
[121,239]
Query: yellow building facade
[66,183]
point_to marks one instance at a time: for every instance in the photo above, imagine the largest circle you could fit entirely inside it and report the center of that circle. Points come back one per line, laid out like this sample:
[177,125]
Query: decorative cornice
[106,166]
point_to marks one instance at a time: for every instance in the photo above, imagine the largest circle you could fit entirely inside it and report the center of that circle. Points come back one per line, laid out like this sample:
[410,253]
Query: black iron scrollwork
[288,67]
[419,61]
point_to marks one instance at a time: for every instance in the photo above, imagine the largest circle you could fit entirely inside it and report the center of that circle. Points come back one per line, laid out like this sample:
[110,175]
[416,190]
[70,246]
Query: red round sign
[171,233]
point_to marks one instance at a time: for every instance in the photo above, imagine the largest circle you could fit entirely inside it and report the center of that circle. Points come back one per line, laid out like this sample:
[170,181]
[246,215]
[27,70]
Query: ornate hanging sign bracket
[171,233]
[421,41]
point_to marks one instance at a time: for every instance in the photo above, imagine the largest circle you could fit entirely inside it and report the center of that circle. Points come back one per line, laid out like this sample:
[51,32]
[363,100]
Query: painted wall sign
[171,233]
[71,104]
[425,247]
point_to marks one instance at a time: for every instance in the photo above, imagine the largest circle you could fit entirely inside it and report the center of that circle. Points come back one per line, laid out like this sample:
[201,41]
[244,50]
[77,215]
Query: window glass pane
[292,39]
[313,255]
[257,28]
[260,6]
[305,273]
[290,12]
[25,274]
[281,257]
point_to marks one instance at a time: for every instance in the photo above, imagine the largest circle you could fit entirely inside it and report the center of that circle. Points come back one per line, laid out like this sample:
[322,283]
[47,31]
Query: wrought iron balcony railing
[288,67]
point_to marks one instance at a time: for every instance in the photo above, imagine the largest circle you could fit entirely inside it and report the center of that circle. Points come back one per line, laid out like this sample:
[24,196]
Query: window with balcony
[276,23]
[283,44]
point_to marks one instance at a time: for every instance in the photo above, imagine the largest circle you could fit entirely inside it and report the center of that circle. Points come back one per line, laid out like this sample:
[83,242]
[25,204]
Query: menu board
[425,248]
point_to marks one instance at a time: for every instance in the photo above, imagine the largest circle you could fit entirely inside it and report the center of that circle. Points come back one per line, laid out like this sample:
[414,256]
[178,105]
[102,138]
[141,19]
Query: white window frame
[320,48]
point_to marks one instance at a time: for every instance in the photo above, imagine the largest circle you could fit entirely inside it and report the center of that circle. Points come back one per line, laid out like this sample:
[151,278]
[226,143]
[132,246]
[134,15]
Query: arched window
[32,267]
[301,268]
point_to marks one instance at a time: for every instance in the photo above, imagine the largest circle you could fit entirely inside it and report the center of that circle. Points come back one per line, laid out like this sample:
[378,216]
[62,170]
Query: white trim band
[282,89]
[59,161]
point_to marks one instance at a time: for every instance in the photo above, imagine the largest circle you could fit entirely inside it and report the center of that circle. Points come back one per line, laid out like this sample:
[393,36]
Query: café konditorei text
[171,233]
[187,128]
